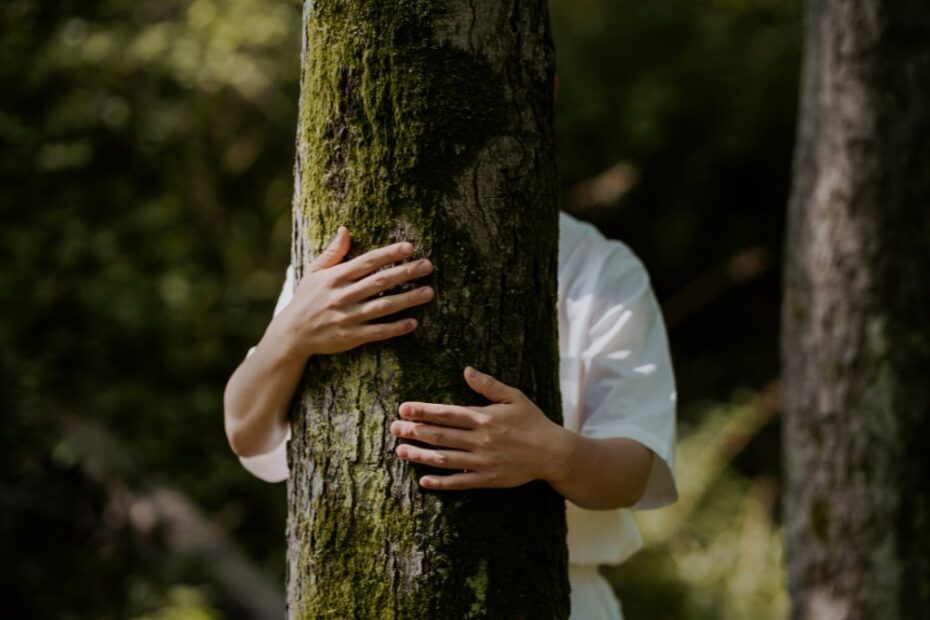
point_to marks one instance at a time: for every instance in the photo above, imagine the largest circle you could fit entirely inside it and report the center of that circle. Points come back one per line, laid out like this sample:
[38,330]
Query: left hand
[505,444]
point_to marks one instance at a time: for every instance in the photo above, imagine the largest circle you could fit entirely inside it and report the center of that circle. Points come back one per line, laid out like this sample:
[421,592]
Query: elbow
[248,440]
[238,440]
[242,441]
[636,485]
[244,444]
[237,443]
[628,488]
[632,496]
[624,498]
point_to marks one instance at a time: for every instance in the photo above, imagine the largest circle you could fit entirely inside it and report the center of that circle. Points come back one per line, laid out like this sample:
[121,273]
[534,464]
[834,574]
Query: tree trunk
[856,316]
[430,122]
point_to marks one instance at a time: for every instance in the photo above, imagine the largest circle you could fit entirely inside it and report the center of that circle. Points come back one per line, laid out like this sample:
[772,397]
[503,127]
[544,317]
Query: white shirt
[615,374]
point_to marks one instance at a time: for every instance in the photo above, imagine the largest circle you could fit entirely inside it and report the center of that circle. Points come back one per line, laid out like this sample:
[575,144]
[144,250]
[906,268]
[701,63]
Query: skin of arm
[505,444]
[511,442]
[328,314]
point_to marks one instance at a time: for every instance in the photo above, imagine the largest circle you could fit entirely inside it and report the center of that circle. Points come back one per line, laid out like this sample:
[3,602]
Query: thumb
[492,389]
[333,253]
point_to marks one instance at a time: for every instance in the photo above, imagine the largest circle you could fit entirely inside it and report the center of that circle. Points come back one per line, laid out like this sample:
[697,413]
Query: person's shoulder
[586,254]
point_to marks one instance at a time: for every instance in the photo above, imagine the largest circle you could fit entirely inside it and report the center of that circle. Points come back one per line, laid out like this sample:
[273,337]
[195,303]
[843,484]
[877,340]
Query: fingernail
[406,248]
[426,293]
[342,229]
[471,372]
[425,266]
[411,323]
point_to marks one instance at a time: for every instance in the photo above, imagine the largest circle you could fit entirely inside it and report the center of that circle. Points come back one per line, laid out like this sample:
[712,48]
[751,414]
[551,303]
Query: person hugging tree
[614,451]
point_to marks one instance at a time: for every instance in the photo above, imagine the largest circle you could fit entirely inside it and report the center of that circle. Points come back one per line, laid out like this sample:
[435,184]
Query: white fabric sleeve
[272,466]
[629,383]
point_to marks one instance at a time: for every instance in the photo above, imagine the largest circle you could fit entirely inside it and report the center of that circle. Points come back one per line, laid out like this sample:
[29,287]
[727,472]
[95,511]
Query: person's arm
[511,442]
[623,455]
[329,313]
[585,470]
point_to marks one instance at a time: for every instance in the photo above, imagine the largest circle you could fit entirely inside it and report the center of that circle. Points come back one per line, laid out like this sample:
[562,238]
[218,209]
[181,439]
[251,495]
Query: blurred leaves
[718,550]
[145,191]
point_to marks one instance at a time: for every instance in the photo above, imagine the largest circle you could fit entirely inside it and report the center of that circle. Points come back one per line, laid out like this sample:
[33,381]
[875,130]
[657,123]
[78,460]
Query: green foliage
[146,168]
[145,188]
[717,553]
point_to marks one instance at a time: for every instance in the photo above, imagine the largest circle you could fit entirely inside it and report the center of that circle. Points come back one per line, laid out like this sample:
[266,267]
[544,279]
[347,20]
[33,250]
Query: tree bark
[430,122]
[856,316]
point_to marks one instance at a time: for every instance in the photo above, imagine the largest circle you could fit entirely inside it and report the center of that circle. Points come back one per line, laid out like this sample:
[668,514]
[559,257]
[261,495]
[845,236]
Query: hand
[505,444]
[331,306]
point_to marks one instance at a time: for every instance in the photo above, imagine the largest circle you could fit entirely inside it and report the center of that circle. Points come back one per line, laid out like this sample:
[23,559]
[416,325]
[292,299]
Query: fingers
[386,278]
[394,303]
[368,262]
[446,459]
[333,253]
[489,387]
[372,332]
[456,482]
[431,433]
[446,415]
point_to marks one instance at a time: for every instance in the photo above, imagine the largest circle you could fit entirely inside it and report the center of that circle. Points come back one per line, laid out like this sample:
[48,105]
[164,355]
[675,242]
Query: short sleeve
[629,383]
[272,466]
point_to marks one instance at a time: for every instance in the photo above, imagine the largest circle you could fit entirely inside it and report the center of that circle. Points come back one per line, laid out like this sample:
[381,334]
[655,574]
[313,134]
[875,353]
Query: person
[613,452]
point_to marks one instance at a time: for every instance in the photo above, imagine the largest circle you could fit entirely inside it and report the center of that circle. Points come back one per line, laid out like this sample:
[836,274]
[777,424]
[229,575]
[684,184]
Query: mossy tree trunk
[856,316]
[432,122]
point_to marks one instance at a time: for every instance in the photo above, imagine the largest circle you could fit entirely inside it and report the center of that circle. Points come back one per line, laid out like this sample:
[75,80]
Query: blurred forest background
[146,150]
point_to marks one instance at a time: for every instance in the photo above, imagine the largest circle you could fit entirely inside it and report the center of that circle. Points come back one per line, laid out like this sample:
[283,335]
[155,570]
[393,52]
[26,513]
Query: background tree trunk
[856,316]
[430,122]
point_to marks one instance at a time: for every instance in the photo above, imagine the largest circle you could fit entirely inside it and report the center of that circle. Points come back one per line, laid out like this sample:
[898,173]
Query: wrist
[281,339]
[558,458]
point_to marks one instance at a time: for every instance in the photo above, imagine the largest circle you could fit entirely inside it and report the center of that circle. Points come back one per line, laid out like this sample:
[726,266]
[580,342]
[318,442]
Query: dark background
[145,181]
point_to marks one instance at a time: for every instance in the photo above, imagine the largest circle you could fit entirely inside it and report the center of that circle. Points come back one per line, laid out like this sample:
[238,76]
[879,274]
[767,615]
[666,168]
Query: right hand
[331,307]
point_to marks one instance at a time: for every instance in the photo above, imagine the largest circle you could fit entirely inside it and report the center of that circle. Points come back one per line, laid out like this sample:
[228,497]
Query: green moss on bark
[388,117]
[402,135]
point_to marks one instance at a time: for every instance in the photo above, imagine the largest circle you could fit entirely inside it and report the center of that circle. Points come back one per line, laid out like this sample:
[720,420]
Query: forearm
[599,473]
[258,396]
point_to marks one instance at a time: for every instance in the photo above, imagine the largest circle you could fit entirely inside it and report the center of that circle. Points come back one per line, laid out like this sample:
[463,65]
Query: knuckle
[336,300]
[382,281]
[441,459]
